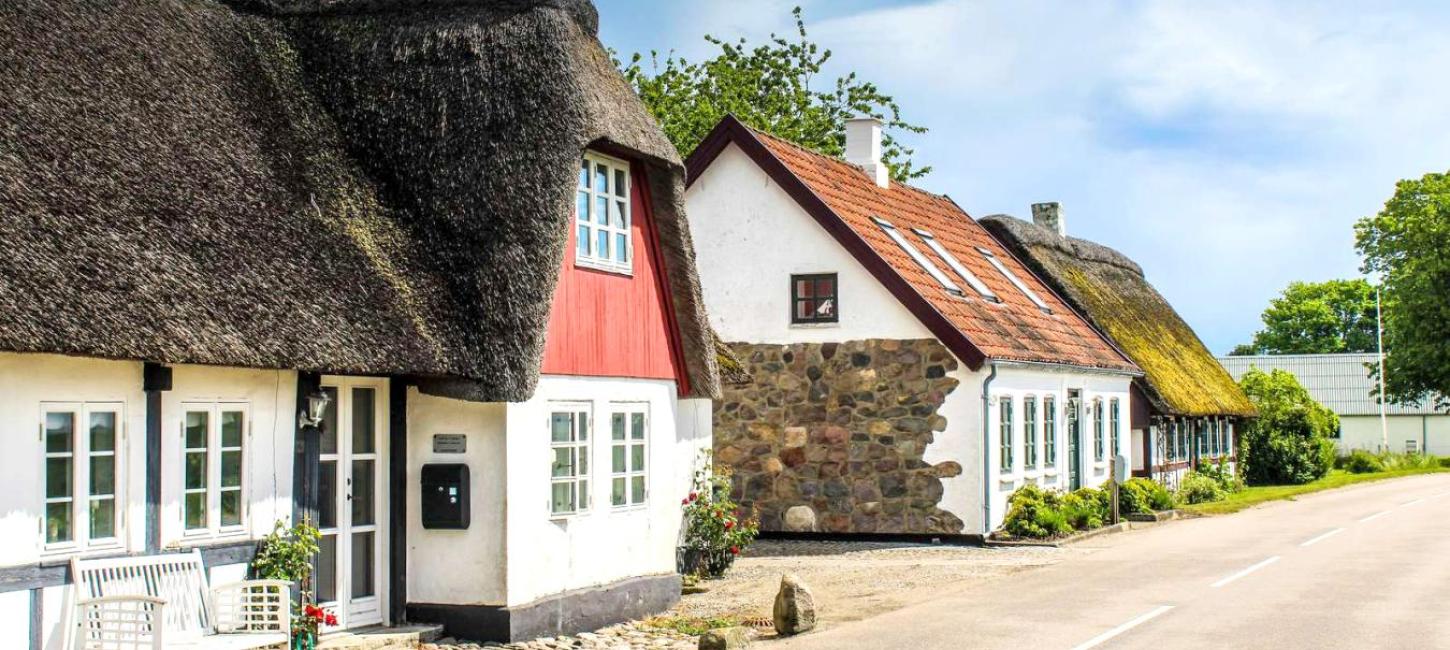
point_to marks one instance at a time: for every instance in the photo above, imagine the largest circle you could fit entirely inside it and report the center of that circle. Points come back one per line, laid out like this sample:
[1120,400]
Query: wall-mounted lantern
[316,407]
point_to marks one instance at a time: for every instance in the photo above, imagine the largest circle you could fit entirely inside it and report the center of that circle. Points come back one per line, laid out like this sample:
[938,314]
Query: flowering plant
[715,528]
[310,618]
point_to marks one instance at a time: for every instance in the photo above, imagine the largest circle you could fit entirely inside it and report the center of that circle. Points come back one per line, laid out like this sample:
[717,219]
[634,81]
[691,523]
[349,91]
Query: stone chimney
[1049,216]
[863,148]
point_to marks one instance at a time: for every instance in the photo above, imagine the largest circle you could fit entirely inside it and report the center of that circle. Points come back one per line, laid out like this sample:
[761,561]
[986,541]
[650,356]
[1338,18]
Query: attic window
[601,214]
[916,256]
[972,280]
[813,298]
[1016,281]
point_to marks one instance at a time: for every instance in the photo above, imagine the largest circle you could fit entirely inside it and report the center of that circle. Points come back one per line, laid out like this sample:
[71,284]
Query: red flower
[313,611]
[694,495]
[729,524]
[684,502]
[735,550]
[331,620]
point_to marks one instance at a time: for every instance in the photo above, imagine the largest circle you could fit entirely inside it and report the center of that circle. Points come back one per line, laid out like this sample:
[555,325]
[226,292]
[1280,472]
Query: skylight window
[951,260]
[916,255]
[1016,281]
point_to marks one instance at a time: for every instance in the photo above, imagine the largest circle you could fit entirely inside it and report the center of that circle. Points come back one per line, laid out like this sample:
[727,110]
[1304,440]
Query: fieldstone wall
[840,428]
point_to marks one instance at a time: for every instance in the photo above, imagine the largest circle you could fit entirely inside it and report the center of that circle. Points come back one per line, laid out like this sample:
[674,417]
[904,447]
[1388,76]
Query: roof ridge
[841,161]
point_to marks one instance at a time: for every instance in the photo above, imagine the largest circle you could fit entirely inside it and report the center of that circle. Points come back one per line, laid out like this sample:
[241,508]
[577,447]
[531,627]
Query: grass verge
[1253,496]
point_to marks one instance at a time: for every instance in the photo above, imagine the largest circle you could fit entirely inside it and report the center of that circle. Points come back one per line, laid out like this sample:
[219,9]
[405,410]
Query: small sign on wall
[450,443]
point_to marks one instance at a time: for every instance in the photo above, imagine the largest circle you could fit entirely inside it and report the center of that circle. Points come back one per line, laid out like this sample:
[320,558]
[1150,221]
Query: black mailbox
[445,496]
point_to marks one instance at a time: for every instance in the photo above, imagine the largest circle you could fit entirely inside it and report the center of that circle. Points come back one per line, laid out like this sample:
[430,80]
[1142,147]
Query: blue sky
[1227,146]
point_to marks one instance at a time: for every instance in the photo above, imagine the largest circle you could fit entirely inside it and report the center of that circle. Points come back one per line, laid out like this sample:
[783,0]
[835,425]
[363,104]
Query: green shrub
[1223,474]
[1445,462]
[1143,495]
[1087,508]
[1394,461]
[1200,488]
[1035,512]
[1288,444]
[1360,461]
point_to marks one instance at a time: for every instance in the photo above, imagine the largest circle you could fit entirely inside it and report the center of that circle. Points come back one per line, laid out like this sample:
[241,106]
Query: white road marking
[1101,638]
[1410,503]
[1374,516]
[1245,572]
[1323,537]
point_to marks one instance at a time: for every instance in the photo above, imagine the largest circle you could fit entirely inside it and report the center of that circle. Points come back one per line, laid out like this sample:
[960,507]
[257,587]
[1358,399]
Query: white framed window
[956,265]
[1098,445]
[1114,426]
[569,465]
[82,467]
[628,434]
[1049,429]
[213,481]
[1016,281]
[1029,431]
[602,215]
[1006,423]
[916,256]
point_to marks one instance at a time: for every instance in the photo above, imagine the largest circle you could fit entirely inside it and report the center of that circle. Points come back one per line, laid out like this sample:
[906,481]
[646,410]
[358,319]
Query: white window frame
[214,450]
[1016,281]
[80,489]
[579,445]
[1029,432]
[632,471]
[1115,427]
[1100,443]
[1006,445]
[1049,430]
[916,256]
[956,265]
[618,223]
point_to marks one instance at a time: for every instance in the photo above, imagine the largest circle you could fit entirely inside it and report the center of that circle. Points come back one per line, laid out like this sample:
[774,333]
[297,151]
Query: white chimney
[863,148]
[1049,216]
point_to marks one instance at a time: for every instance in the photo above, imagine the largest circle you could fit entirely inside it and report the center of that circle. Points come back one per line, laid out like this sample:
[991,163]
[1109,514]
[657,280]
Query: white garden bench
[163,601]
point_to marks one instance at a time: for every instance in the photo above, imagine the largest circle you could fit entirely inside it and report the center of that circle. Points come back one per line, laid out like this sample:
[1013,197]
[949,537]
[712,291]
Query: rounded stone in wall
[800,519]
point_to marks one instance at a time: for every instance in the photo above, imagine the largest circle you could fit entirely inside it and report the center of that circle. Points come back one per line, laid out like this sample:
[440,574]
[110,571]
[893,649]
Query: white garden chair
[163,601]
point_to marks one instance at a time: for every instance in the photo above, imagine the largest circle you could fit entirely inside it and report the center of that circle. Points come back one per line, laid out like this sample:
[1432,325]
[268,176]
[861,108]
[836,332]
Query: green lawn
[1255,495]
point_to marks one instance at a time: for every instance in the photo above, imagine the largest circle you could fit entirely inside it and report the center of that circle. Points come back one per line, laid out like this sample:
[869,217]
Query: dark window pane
[231,469]
[327,494]
[364,412]
[563,497]
[804,288]
[231,507]
[103,518]
[636,489]
[196,425]
[825,287]
[59,430]
[636,426]
[601,178]
[57,477]
[618,459]
[616,492]
[57,522]
[563,462]
[103,431]
[103,475]
[195,510]
[196,470]
[581,206]
[562,427]
[636,458]
[363,510]
[232,425]
[362,565]
[582,421]
[329,421]
[616,424]
[324,573]
[619,183]
[584,174]
[805,309]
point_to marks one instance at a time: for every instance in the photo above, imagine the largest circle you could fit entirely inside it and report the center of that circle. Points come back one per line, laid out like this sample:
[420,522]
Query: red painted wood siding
[613,325]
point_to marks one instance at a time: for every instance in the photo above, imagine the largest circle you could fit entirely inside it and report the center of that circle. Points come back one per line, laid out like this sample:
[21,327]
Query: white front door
[352,503]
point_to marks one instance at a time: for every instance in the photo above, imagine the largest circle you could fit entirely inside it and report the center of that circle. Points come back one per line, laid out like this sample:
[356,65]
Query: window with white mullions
[956,265]
[1098,446]
[1029,431]
[1114,425]
[602,214]
[569,469]
[1049,429]
[213,467]
[628,433]
[1006,424]
[1016,281]
[82,475]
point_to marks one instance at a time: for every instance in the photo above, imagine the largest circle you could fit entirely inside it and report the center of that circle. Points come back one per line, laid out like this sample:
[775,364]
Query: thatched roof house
[368,186]
[1182,378]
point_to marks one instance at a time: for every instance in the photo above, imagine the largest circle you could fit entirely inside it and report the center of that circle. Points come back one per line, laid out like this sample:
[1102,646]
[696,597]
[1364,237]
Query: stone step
[402,637]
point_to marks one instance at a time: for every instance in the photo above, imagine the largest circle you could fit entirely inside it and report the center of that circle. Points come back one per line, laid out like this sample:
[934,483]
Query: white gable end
[750,237]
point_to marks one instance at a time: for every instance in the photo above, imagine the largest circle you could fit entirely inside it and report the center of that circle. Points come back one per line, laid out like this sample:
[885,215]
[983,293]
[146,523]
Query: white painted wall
[15,619]
[1364,432]
[750,237]
[458,566]
[547,554]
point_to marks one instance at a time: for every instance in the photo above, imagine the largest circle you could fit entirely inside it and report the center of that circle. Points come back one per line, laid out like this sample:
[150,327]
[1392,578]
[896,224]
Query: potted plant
[287,554]
[715,532]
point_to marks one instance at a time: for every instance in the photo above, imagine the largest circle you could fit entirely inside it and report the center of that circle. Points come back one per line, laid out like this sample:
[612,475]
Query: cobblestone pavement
[850,581]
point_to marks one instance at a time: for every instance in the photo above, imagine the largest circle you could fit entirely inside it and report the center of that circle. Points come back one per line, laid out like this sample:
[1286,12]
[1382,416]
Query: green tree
[1317,318]
[1290,442]
[1408,244]
[768,87]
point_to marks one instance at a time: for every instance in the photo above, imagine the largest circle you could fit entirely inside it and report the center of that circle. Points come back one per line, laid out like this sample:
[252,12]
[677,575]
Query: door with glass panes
[349,577]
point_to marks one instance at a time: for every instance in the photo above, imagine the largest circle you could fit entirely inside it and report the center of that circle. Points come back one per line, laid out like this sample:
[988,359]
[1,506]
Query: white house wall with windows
[817,259]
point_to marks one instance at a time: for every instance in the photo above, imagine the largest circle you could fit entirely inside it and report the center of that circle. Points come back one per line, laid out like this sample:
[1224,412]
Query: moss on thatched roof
[1181,377]
[336,185]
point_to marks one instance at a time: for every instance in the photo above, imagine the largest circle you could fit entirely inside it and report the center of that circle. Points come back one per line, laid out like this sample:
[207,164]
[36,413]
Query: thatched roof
[378,187]
[1181,377]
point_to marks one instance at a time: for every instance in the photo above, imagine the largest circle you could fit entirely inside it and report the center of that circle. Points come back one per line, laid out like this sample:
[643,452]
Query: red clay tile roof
[1012,330]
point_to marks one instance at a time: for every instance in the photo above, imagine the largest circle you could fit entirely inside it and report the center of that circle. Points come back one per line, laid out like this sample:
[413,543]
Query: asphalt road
[1361,567]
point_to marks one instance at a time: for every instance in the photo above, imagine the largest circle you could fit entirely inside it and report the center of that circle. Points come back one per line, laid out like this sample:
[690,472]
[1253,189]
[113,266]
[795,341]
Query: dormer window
[601,215]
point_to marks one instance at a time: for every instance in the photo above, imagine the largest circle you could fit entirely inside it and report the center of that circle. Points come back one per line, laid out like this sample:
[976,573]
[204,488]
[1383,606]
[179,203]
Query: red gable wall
[611,325]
